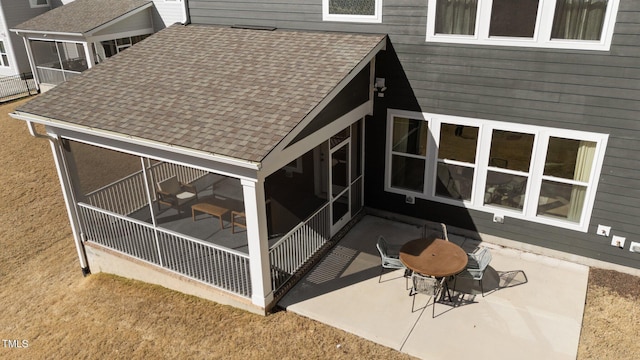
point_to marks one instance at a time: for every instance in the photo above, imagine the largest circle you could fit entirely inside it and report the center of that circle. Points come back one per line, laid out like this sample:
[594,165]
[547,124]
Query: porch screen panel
[107,179]
[72,56]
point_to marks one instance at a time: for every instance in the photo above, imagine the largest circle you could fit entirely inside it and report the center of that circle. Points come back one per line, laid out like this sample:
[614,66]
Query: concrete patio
[532,308]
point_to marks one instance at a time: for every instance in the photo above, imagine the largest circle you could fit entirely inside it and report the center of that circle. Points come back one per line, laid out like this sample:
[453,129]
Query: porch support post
[32,61]
[89,54]
[69,200]
[256,217]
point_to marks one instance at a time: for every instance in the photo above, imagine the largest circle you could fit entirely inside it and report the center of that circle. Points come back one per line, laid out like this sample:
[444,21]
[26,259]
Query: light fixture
[380,87]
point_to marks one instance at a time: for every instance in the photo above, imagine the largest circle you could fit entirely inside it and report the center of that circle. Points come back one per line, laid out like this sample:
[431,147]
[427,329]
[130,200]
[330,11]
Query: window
[408,151]
[115,46]
[570,24]
[352,10]
[4,59]
[39,3]
[539,174]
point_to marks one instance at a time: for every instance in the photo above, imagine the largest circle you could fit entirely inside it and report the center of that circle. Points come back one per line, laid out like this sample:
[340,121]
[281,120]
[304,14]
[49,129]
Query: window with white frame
[39,3]
[540,174]
[352,10]
[569,24]
[4,59]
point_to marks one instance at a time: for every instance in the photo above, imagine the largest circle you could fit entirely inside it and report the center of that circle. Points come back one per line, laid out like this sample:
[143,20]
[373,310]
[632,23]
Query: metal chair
[390,260]
[445,234]
[425,231]
[478,261]
[428,286]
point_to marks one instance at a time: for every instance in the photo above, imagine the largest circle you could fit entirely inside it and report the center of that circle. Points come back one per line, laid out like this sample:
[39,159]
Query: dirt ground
[51,311]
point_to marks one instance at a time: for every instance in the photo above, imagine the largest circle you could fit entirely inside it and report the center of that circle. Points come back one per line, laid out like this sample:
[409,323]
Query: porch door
[339,184]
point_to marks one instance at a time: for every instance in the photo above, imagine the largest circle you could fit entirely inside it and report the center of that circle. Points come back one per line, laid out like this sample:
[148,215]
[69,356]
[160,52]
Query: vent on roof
[253,27]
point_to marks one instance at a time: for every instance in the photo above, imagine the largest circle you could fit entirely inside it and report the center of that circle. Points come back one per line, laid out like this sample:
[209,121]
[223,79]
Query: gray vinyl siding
[596,91]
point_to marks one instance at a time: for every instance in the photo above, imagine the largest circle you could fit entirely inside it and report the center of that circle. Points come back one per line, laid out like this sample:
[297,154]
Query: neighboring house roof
[81,16]
[219,90]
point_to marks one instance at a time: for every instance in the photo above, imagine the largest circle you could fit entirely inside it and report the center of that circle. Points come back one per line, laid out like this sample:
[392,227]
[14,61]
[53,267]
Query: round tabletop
[433,257]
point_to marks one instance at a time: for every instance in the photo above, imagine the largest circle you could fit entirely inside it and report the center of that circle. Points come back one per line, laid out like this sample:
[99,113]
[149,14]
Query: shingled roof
[81,16]
[219,90]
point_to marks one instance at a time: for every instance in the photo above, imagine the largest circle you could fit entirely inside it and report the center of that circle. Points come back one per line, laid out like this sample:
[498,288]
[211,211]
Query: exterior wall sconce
[380,87]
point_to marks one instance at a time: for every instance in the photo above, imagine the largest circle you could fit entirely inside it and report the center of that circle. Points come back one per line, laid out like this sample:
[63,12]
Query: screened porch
[120,207]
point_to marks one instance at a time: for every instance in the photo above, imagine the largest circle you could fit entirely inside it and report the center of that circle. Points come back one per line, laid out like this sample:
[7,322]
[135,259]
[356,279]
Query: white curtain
[582,171]
[579,19]
[456,17]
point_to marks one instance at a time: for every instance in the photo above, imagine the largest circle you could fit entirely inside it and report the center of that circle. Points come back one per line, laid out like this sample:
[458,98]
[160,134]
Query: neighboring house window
[352,10]
[4,59]
[570,24]
[112,47]
[540,174]
[39,3]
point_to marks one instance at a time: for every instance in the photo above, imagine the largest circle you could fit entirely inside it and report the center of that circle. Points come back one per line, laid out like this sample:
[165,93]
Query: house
[516,124]
[13,56]
[70,39]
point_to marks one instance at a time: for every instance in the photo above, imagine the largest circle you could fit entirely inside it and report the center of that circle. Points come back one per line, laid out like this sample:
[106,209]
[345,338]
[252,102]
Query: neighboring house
[512,122]
[13,56]
[72,38]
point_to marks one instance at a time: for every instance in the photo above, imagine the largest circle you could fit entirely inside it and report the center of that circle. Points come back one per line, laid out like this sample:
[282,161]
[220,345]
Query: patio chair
[425,231]
[478,261]
[428,286]
[173,193]
[445,234]
[390,259]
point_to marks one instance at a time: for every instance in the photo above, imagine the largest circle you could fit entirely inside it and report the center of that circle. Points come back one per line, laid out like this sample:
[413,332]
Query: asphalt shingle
[81,16]
[220,90]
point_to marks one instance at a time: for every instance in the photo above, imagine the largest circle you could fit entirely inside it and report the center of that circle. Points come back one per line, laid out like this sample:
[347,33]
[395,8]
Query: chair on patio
[390,259]
[426,233]
[428,286]
[173,193]
[445,234]
[478,262]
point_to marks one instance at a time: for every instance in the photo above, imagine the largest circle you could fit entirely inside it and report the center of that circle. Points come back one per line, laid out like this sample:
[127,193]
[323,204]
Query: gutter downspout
[67,193]
[187,13]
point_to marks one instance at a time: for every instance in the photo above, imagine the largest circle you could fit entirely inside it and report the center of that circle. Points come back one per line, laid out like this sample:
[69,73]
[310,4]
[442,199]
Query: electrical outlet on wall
[603,230]
[618,241]
[634,247]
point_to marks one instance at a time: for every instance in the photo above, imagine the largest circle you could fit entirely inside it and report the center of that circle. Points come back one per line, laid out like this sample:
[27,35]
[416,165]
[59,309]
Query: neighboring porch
[65,41]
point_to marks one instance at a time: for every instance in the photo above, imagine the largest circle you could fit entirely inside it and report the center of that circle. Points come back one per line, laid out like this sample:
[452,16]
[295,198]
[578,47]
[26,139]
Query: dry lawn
[45,300]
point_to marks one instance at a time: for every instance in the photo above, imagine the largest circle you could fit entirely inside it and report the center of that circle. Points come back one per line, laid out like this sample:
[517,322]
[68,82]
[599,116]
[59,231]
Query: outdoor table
[211,209]
[433,257]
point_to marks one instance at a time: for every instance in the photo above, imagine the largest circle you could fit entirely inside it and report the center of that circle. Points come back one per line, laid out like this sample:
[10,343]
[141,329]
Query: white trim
[534,175]
[541,38]
[375,18]
[257,234]
[68,195]
[109,135]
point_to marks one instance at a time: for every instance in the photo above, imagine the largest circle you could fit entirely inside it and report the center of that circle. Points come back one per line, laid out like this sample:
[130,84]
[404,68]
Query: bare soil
[45,300]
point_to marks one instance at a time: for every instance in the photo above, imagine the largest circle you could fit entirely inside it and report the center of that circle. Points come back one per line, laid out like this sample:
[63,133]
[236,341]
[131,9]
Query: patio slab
[532,307]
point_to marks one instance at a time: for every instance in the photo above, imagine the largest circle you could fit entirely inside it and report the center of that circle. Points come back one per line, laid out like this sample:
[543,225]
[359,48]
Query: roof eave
[23,32]
[28,117]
